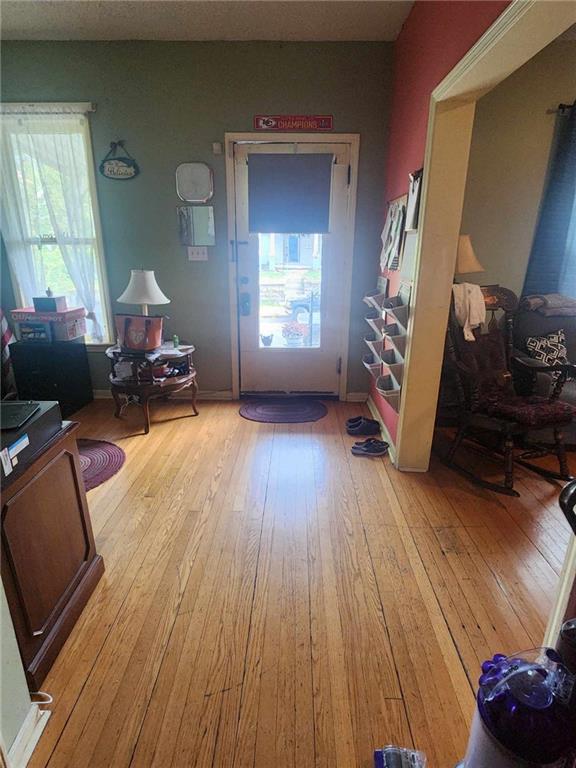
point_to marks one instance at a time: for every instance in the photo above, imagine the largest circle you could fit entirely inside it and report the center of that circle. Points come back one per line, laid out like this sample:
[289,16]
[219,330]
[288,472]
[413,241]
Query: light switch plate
[197,253]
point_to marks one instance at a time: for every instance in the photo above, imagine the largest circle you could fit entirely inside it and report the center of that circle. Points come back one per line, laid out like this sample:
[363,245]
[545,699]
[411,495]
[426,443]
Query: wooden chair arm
[535,366]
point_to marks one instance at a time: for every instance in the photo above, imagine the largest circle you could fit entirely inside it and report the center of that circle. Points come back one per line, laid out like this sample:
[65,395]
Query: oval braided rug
[285,410]
[99,460]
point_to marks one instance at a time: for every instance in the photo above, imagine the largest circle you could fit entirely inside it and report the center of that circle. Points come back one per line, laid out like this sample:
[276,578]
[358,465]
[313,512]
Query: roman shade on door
[289,193]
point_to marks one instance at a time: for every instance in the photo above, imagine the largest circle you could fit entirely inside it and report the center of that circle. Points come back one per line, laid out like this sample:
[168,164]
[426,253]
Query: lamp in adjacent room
[466,260]
[143,289]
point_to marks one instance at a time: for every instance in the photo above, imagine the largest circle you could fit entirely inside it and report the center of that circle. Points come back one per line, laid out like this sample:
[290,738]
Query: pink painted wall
[435,36]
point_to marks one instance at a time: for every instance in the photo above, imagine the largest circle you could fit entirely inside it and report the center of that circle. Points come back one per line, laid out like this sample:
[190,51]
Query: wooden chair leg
[194,393]
[456,443]
[561,453]
[509,462]
[146,408]
[118,404]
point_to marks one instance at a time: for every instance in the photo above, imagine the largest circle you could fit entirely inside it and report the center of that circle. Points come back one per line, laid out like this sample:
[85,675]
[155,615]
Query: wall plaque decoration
[119,164]
[293,122]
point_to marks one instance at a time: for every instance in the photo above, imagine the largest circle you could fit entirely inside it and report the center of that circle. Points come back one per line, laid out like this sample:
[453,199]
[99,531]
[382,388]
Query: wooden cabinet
[49,561]
[53,371]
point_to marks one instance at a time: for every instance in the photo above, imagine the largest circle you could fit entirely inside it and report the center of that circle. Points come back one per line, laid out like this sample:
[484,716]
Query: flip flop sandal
[365,427]
[374,449]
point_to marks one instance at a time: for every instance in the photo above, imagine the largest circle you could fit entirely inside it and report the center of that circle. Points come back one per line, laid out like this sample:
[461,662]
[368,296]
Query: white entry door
[293,285]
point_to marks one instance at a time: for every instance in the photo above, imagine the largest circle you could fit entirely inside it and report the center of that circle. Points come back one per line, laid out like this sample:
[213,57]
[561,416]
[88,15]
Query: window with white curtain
[49,209]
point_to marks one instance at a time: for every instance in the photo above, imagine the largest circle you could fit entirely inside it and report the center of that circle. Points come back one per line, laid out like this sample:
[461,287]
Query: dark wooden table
[149,375]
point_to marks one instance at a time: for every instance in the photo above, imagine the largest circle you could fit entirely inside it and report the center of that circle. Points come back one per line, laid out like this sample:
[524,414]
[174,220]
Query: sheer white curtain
[46,189]
[16,223]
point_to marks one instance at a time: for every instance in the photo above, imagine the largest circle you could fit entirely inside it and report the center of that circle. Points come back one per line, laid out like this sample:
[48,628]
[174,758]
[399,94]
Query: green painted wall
[170,101]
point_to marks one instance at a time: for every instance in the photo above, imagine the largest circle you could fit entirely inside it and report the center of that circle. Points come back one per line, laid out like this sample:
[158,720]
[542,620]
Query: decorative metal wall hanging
[119,167]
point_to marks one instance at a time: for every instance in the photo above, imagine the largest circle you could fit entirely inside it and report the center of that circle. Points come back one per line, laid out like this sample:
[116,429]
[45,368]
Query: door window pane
[290,283]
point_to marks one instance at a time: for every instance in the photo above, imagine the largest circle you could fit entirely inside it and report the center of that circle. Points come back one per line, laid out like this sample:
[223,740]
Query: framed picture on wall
[393,234]
[186,224]
[413,204]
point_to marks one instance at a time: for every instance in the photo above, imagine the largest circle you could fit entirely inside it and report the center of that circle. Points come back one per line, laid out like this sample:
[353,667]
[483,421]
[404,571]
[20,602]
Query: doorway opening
[291,213]
[520,32]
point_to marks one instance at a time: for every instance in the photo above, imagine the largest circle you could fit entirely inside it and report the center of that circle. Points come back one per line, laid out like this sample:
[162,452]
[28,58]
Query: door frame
[268,137]
[523,29]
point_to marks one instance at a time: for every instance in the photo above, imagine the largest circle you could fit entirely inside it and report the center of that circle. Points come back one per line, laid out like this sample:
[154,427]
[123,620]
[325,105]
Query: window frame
[84,108]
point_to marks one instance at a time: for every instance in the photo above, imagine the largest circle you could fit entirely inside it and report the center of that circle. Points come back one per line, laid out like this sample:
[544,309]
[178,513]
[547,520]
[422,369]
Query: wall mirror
[196,225]
[194,182]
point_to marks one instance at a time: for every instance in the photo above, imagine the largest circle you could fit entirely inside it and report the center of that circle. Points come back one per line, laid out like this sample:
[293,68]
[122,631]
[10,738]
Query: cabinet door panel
[46,541]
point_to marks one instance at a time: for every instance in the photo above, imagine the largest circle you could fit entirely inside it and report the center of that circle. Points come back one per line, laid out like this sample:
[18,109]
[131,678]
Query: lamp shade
[143,289]
[466,260]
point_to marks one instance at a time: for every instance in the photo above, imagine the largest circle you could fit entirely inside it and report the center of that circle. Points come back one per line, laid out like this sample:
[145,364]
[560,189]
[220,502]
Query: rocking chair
[491,412]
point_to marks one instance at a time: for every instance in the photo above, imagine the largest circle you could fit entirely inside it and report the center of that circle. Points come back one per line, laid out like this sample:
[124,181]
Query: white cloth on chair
[469,307]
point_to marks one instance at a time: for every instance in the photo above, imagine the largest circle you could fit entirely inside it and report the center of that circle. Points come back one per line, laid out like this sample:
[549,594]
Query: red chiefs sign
[293,122]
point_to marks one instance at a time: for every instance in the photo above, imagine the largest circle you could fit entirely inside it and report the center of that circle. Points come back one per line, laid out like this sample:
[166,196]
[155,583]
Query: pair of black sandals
[360,425]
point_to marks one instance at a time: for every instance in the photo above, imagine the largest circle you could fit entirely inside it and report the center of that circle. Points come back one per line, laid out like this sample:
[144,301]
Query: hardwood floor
[271,600]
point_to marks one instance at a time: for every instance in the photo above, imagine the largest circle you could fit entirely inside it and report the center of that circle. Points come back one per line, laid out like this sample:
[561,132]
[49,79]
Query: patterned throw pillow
[550,349]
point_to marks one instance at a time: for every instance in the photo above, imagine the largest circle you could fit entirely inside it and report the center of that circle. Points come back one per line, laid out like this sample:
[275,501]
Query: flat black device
[15,413]
[37,424]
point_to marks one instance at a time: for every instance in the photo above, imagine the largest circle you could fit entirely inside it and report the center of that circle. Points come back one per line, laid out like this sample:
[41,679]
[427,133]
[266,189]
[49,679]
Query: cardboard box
[49,326]
[69,330]
[30,315]
[50,303]
[35,330]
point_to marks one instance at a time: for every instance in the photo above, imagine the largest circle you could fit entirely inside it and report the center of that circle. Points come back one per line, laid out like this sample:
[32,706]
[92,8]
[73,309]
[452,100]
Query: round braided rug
[283,410]
[99,460]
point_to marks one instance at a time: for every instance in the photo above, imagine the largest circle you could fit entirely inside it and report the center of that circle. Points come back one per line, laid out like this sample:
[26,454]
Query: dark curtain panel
[552,265]
[289,193]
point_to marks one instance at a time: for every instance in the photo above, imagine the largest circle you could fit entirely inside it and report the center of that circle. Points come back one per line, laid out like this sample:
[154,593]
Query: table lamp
[143,289]
[466,260]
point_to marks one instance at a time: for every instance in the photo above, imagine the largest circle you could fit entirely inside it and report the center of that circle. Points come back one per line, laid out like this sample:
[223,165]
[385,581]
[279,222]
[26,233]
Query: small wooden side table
[149,375]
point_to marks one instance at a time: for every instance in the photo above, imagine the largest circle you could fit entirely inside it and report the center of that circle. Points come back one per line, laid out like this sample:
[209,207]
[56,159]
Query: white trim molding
[223,394]
[524,28]
[383,428]
[565,583]
[357,397]
[47,108]
[28,736]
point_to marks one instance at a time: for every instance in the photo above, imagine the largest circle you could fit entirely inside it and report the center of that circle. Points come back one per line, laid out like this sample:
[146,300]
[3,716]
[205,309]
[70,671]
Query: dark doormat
[99,460]
[288,410]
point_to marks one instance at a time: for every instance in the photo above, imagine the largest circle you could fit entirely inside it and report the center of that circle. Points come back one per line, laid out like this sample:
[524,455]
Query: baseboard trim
[225,394]
[356,397]
[207,394]
[101,394]
[383,428]
[28,736]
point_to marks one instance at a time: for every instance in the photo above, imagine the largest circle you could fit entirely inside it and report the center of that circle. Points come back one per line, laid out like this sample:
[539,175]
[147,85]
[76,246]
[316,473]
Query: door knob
[245,304]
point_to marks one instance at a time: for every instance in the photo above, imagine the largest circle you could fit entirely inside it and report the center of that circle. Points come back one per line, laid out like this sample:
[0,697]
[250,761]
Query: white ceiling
[203,19]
